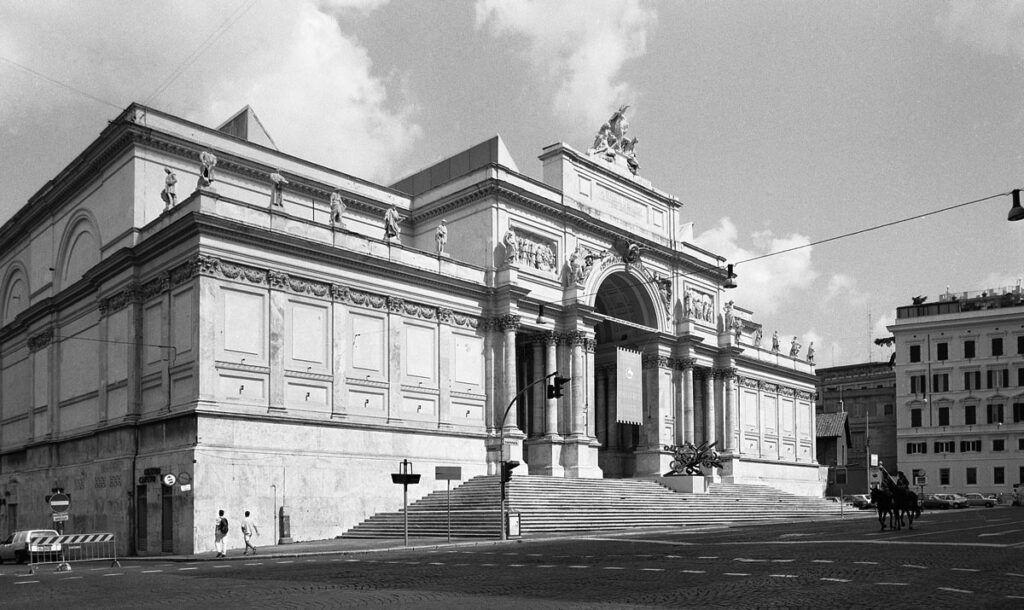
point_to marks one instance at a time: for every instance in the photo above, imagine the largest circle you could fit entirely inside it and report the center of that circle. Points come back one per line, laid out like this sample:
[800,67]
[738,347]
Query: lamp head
[1016,212]
[540,315]
[730,278]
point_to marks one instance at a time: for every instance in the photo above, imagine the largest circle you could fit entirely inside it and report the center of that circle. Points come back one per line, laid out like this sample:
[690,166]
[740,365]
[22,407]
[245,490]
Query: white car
[19,545]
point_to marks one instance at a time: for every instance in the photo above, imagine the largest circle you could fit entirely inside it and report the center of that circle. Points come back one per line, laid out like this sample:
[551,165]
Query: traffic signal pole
[504,469]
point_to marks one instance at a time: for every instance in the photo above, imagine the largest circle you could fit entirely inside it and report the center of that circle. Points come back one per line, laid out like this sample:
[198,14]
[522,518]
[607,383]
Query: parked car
[943,501]
[977,499]
[861,501]
[19,544]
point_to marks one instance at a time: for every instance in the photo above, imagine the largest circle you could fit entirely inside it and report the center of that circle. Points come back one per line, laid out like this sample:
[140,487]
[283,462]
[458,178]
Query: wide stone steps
[553,504]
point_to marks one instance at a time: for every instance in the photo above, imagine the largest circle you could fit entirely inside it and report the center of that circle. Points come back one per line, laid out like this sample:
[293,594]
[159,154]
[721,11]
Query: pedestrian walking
[248,529]
[219,533]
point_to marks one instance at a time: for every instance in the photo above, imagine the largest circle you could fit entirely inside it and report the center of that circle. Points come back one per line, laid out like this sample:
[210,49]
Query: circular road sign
[60,503]
[169,479]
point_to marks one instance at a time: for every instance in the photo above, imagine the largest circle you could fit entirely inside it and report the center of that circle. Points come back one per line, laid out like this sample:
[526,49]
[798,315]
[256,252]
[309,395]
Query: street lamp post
[503,469]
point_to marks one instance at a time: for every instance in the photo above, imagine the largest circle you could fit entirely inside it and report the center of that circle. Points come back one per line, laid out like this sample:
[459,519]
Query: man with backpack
[219,533]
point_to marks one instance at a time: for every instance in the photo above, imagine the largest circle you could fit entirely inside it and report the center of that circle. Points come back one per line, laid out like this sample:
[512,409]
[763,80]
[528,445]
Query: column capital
[508,322]
[685,363]
[657,361]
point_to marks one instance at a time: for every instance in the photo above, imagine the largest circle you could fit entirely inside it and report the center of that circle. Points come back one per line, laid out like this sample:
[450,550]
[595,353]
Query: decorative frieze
[184,273]
[535,252]
[234,271]
[395,304]
[445,315]
[749,382]
[155,287]
[699,306]
[804,395]
[657,361]
[769,387]
[119,300]
[685,363]
[39,341]
[508,322]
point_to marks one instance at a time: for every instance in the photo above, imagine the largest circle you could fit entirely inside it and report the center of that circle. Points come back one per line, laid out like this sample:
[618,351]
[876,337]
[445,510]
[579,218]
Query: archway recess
[631,321]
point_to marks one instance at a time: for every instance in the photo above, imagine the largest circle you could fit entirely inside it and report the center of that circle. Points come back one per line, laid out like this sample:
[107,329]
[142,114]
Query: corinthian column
[729,375]
[687,423]
[509,325]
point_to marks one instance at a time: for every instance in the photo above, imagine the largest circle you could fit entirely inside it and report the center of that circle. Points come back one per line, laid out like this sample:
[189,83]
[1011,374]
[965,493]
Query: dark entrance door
[141,520]
[166,519]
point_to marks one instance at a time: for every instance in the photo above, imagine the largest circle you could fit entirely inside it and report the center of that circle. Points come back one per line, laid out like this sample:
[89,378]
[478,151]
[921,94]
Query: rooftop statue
[612,140]
[169,195]
[391,220]
[208,161]
[338,208]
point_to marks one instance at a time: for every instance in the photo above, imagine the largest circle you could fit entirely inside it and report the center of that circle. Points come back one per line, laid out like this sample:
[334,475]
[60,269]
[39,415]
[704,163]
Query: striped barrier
[64,549]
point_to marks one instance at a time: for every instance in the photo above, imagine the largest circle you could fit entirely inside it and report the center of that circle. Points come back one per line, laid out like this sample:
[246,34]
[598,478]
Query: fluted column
[539,400]
[687,423]
[551,411]
[578,384]
[729,440]
[709,405]
[509,325]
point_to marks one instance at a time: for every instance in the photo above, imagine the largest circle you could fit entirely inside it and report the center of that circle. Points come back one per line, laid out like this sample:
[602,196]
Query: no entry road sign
[60,503]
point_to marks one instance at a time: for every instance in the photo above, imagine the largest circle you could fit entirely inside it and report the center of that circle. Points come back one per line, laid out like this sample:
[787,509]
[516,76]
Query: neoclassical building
[278,335]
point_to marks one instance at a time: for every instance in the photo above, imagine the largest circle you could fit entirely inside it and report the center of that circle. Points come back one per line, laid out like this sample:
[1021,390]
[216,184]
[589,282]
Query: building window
[1020,344]
[1020,377]
[887,410]
[945,446]
[972,476]
[970,446]
[968,349]
[1018,412]
[917,448]
[995,414]
[998,444]
[999,475]
[1020,478]
[997,378]
[915,353]
[1020,444]
[972,380]
[940,382]
[915,418]
[970,415]
[942,351]
[997,346]
[917,384]
[943,416]
[943,476]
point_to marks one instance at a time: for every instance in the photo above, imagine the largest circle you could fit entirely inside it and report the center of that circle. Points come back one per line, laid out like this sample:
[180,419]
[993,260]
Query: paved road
[971,558]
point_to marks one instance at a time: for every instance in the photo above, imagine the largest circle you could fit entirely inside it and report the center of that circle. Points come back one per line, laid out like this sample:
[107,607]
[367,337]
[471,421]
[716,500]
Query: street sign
[448,473]
[920,481]
[57,517]
[60,503]
[169,479]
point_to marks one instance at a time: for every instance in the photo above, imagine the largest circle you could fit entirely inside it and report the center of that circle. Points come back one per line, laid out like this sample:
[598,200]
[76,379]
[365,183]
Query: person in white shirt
[248,529]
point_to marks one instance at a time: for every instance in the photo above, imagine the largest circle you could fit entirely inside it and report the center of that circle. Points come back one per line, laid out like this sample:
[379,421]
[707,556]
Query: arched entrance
[631,322]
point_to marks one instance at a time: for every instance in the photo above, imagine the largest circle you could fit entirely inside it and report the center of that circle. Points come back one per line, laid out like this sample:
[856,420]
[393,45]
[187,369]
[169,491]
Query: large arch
[633,318]
[79,249]
[14,294]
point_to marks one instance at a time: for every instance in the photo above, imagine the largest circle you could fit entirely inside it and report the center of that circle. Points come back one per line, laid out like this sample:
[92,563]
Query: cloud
[843,286]
[767,284]
[312,86]
[993,26]
[581,45]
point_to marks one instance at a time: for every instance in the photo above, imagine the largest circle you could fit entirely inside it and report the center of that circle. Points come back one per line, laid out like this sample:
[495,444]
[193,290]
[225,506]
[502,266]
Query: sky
[778,124]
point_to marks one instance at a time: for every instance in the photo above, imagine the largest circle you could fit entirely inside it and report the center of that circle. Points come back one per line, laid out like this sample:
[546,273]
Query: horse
[905,504]
[883,501]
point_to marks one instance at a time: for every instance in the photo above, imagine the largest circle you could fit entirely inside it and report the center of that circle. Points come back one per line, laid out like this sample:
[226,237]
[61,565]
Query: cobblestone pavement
[971,558]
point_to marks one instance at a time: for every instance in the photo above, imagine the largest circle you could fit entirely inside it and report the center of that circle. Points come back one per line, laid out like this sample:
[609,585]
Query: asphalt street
[972,558]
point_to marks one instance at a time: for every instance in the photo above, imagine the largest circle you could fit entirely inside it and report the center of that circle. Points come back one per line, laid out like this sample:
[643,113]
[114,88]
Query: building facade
[960,391]
[867,394]
[281,335]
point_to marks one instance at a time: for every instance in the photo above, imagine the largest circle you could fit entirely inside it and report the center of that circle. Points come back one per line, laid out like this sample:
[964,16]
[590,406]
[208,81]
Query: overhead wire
[54,81]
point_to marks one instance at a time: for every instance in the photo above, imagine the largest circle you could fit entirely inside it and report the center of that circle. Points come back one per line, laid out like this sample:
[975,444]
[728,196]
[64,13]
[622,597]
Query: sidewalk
[337,546]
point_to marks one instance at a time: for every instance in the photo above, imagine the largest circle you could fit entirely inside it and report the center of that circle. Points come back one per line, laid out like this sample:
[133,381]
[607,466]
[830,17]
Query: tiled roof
[828,425]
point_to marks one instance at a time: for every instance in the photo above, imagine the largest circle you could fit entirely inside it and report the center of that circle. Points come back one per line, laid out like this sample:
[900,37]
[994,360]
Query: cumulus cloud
[313,87]
[993,26]
[580,45]
[767,284]
[843,286]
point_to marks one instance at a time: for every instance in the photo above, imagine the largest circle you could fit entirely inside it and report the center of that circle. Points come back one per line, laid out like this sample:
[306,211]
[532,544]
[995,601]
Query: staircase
[556,505]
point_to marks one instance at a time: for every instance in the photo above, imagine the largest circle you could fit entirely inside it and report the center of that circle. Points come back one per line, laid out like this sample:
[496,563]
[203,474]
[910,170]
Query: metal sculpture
[688,459]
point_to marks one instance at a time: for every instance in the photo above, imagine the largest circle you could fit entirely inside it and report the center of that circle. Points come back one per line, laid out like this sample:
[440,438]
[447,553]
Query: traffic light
[506,470]
[555,388]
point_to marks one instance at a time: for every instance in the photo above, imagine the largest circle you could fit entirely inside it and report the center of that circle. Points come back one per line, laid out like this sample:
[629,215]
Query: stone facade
[279,359]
